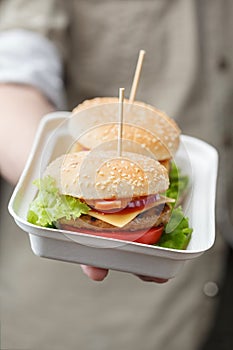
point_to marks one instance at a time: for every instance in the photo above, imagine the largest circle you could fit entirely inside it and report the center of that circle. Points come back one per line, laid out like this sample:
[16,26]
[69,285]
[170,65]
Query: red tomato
[152,236]
[146,237]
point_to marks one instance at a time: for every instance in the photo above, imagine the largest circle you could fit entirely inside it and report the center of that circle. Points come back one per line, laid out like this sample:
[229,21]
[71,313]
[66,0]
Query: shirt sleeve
[34,46]
[50,18]
[29,58]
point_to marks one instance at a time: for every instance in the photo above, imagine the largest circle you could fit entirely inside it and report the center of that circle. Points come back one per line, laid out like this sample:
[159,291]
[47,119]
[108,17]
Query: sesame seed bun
[95,175]
[146,127]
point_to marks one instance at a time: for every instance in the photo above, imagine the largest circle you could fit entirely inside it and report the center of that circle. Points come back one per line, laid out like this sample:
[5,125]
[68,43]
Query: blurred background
[55,54]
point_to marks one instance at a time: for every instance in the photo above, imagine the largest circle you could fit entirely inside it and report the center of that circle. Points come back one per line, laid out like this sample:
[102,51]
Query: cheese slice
[121,219]
[118,220]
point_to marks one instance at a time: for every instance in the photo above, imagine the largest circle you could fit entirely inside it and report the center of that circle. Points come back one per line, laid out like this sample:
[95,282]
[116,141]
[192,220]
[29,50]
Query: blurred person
[53,55]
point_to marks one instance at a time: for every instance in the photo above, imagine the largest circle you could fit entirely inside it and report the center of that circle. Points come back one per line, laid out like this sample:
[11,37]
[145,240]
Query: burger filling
[153,217]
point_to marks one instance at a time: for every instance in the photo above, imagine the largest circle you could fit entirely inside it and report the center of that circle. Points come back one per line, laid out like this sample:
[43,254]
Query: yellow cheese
[118,220]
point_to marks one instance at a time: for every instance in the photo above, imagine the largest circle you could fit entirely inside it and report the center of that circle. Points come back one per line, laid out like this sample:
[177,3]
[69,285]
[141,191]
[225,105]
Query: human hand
[19,122]
[99,274]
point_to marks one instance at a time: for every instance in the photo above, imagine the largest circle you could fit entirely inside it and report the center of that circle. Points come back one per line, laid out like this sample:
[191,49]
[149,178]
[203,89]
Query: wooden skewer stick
[136,76]
[120,129]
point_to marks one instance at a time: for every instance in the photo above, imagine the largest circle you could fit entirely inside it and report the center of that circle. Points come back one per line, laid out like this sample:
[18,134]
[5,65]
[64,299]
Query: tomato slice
[145,237]
[152,236]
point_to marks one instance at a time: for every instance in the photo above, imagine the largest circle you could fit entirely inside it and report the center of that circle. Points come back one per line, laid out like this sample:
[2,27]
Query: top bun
[144,125]
[95,175]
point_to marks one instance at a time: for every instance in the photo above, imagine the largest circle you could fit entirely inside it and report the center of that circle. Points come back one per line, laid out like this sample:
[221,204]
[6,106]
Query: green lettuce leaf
[49,205]
[177,232]
[178,183]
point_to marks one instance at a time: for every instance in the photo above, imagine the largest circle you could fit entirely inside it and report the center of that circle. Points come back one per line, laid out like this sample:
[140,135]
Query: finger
[94,273]
[152,279]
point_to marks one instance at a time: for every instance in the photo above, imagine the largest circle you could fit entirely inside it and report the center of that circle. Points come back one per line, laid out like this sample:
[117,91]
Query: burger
[103,194]
[145,128]
[131,197]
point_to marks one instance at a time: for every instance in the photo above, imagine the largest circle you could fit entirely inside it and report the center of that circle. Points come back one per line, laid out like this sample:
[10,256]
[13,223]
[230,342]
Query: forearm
[21,108]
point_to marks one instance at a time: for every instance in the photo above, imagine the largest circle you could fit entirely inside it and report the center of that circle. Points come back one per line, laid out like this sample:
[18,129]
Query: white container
[195,157]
